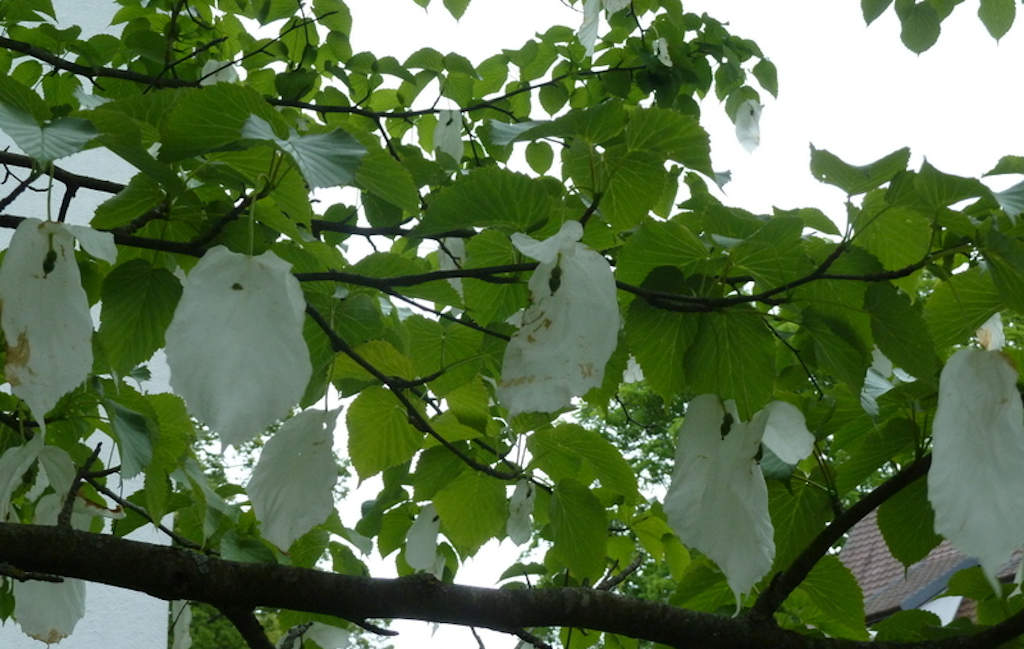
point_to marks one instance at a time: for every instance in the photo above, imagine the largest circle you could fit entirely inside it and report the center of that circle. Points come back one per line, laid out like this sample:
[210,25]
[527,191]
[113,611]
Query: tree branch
[248,626]
[785,582]
[174,573]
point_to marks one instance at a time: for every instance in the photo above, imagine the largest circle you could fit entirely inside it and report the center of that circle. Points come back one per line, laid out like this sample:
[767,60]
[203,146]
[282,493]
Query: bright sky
[853,90]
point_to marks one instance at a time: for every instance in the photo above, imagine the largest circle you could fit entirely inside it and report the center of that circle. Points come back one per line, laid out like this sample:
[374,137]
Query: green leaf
[830,600]
[799,512]
[539,156]
[941,189]
[489,302]
[773,254]
[379,433]
[456,7]
[961,304]
[1009,164]
[908,626]
[897,236]
[872,9]
[1011,200]
[733,356]
[571,451]
[907,523]
[852,179]
[579,530]
[138,302]
[868,452]
[141,195]
[211,118]
[659,243]
[900,331]
[767,76]
[1005,258]
[680,137]
[659,338]
[997,16]
[633,186]
[837,348]
[515,203]
[473,508]
[325,159]
[920,27]
[385,177]
[134,432]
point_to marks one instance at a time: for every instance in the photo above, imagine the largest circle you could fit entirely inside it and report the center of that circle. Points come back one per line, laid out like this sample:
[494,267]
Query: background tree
[810,371]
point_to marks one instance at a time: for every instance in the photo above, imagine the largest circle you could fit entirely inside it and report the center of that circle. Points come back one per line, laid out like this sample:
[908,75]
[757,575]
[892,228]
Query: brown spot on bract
[587,370]
[17,359]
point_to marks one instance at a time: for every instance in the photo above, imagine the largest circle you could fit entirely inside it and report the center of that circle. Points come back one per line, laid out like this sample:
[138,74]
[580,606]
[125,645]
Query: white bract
[48,611]
[990,335]
[448,133]
[98,244]
[568,332]
[718,500]
[421,540]
[748,129]
[293,483]
[450,257]
[327,636]
[660,47]
[14,463]
[975,481]
[520,508]
[45,316]
[181,620]
[588,30]
[784,431]
[217,72]
[235,345]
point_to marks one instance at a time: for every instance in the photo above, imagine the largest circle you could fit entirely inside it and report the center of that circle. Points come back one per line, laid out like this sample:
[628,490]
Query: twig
[293,634]
[141,511]
[415,417]
[248,626]
[610,582]
[529,638]
[64,518]
[785,582]
[7,570]
[799,358]
[479,641]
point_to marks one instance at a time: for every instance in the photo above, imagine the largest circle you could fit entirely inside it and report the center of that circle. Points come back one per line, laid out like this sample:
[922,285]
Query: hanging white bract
[718,500]
[292,486]
[975,481]
[748,124]
[45,316]
[47,611]
[568,332]
[448,133]
[235,345]
[421,541]
[520,509]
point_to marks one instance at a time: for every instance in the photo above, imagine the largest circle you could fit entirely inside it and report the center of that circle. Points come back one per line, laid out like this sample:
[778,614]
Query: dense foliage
[470,308]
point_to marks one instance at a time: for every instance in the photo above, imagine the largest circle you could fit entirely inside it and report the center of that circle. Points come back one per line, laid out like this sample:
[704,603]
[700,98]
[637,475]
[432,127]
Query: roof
[886,585]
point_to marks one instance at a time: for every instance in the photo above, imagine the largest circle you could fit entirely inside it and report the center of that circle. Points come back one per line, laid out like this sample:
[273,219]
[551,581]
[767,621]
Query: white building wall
[114,618]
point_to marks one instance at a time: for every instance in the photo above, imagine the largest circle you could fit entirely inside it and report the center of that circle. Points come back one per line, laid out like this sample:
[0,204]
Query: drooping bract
[568,332]
[235,345]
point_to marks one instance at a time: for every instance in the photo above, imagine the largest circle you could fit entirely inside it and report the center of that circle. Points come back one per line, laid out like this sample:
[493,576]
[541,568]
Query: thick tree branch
[785,582]
[174,573]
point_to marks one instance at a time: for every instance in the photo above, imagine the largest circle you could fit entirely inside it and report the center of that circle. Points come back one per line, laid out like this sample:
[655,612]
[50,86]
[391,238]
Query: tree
[821,372]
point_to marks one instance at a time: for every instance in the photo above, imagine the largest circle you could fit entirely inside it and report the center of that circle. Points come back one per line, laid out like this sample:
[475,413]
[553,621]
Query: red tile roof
[887,586]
